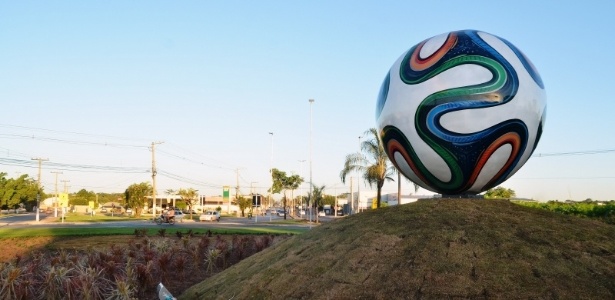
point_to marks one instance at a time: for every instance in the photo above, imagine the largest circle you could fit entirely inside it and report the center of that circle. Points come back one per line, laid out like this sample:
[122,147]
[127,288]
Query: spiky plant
[130,272]
[10,277]
[90,283]
[162,232]
[63,256]
[162,245]
[180,265]
[144,276]
[204,243]
[164,264]
[223,247]
[122,290]
[56,283]
[140,232]
[110,268]
[195,254]
[186,243]
[211,259]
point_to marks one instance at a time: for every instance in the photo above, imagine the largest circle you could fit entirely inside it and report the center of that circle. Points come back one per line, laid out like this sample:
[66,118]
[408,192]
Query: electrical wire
[72,167]
[586,152]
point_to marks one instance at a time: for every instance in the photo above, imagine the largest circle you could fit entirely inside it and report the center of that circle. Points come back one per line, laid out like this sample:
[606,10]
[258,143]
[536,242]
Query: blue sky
[94,83]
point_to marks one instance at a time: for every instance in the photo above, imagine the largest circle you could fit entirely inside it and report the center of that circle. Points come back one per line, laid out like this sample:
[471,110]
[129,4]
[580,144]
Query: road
[29,220]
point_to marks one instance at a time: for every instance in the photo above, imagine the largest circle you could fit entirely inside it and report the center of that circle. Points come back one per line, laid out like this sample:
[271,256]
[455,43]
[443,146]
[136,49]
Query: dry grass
[432,249]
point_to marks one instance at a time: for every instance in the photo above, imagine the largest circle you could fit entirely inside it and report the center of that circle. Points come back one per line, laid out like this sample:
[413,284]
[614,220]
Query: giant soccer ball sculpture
[461,112]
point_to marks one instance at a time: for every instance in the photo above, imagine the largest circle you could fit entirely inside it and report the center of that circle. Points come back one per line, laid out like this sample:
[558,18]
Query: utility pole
[154,178]
[65,191]
[55,203]
[65,185]
[38,192]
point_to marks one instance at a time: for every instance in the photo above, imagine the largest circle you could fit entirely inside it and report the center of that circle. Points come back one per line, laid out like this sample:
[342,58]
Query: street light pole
[311,183]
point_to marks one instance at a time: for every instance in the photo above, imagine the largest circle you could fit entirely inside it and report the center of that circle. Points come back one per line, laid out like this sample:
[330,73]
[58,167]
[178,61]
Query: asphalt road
[48,221]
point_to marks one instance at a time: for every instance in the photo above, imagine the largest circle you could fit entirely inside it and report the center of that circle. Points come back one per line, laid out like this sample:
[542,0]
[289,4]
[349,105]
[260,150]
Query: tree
[281,182]
[189,197]
[16,191]
[317,195]
[328,200]
[243,203]
[374,165]
[499,193]
[135,196]
[83,197]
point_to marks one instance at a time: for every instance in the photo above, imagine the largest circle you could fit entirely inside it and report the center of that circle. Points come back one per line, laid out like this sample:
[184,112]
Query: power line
[194,161]
[187,180]
[586,152]
[65,141]
[70,132]
[73,167]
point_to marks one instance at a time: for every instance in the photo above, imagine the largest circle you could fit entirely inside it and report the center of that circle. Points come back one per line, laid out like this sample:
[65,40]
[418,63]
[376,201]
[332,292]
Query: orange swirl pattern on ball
[419,64]
[395,146]
[511,138]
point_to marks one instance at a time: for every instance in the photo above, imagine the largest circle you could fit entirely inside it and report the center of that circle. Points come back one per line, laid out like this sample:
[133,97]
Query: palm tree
[317,195]
[374,165]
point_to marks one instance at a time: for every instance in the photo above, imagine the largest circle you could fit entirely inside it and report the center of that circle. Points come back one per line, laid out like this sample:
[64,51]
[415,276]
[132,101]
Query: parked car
[281,213]
[210,215]
[188,211]
[129,211]
[179,215]
[103,210]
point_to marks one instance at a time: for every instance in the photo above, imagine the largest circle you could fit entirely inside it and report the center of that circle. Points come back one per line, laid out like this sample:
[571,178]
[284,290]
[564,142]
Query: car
[103,210]
[188,211]
[129,211]
[179,215]
[321,214]
[210,215]
[281,213]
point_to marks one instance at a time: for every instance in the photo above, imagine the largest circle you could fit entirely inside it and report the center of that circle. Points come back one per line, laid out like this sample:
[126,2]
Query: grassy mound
[431,249]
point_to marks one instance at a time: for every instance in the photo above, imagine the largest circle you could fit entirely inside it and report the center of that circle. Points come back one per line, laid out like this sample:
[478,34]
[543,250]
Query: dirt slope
[432,249]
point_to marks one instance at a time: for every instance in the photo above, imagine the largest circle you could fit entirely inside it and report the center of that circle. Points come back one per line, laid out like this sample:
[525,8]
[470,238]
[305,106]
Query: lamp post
[271,174]
[310,200]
